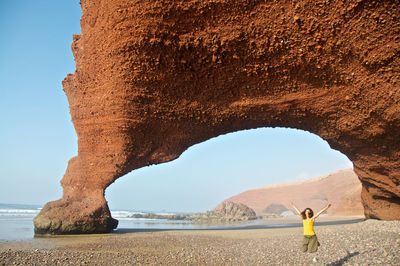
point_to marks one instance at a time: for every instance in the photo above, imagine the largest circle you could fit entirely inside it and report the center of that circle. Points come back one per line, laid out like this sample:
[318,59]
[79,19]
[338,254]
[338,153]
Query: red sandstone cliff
[341,188]
[156,77]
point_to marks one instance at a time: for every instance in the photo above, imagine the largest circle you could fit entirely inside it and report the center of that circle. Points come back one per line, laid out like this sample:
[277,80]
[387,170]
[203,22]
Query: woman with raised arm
[310,240]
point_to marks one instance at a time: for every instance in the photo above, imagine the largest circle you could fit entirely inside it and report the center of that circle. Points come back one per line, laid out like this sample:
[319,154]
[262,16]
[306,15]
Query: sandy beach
[362,242]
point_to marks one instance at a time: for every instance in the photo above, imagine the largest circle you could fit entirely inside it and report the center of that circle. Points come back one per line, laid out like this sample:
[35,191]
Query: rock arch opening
[219,168]
[154,78]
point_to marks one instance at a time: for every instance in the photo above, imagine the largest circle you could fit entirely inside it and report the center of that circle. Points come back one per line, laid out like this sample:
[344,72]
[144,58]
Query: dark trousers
[310,244]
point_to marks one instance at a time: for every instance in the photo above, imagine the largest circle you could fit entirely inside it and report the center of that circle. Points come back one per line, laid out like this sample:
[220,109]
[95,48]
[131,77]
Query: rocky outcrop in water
[156,77]
[173,216]
[227,211]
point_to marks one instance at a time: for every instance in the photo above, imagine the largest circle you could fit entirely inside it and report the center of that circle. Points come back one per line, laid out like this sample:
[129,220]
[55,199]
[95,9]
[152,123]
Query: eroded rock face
[234,209]
[156,77]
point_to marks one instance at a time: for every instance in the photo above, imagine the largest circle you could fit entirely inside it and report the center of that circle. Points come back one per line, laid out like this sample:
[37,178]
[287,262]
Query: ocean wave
[18,211]
[123,214]
[118,214]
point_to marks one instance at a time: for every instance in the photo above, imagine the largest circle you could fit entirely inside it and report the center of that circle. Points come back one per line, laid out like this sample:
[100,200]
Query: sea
[16,222]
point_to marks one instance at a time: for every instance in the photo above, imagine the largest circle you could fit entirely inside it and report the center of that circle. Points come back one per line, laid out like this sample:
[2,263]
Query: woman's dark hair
[303,213]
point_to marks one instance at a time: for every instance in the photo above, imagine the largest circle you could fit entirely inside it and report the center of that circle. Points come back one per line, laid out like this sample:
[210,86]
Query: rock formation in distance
[234,209]
[342,189]
[155,77]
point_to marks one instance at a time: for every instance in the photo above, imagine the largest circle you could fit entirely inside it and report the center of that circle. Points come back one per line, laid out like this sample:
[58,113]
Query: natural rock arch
[155,77]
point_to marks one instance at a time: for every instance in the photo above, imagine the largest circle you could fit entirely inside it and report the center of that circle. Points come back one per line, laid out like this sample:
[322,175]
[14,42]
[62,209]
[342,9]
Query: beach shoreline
[369,241]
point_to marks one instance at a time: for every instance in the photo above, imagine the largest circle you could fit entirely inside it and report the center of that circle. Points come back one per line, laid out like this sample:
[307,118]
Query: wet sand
[351,242]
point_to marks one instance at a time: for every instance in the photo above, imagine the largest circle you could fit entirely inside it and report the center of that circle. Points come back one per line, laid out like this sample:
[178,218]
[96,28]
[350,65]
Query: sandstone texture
[156,77]
[342,189]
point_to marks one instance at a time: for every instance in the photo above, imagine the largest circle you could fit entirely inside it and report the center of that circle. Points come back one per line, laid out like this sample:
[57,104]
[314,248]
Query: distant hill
[342,189]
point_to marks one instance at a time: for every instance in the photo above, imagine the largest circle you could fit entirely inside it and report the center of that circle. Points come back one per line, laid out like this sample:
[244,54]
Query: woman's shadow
[344,259]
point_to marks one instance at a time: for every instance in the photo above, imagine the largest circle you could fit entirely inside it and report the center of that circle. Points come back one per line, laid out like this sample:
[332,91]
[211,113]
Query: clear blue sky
[38,139]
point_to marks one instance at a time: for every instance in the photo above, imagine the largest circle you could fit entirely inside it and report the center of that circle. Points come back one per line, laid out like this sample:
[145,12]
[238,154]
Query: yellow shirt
[308,227]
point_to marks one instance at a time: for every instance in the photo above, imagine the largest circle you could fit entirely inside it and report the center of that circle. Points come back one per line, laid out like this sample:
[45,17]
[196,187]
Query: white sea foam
[124,214]
[18,213]
[13,212]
